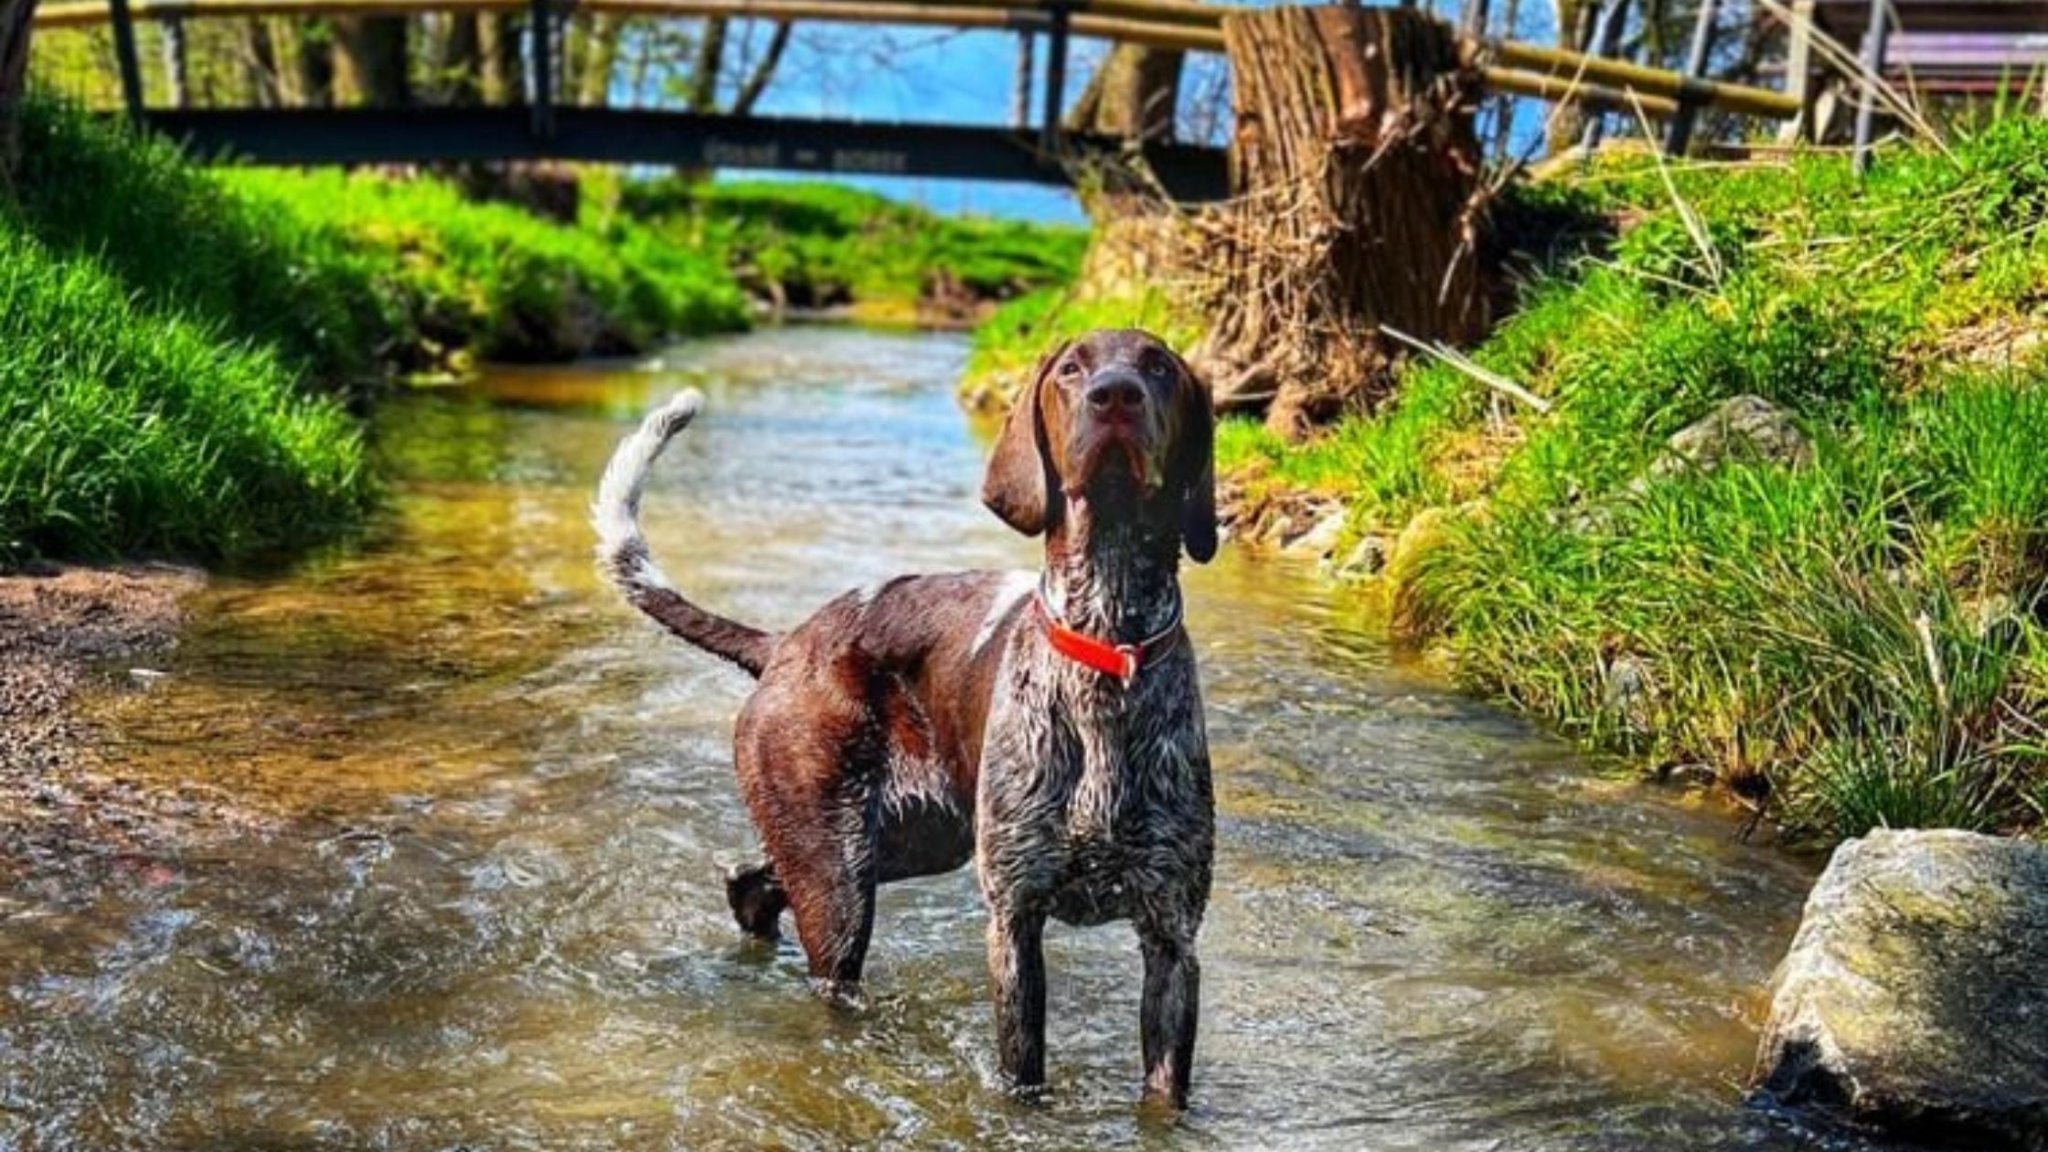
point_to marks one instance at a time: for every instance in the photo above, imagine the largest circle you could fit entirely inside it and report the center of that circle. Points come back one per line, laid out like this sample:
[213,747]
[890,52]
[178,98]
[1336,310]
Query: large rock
[1741,427]
[1915,996]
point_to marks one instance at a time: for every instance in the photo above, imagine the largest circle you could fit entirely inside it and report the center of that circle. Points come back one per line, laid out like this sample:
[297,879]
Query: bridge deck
[680,139]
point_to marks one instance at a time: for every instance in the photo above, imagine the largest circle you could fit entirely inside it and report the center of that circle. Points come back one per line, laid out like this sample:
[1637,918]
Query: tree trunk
[1358,187]
[461,63]
[1567,122]
[1134,94]
[600,57]
[259,64]
[498,42]
[710,62]
[764,70]
[1504,104]
[15,16]
[370,61]
[306,78]
[177,62]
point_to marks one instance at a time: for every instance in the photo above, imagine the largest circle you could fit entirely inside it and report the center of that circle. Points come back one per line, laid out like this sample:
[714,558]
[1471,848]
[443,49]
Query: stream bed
[482,907]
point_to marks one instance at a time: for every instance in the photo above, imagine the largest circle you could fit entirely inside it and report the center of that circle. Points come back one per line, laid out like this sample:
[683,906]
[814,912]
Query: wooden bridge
[1035,149]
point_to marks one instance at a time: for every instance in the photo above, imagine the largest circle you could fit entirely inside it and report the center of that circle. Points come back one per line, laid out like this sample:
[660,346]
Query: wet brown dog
[1048,723]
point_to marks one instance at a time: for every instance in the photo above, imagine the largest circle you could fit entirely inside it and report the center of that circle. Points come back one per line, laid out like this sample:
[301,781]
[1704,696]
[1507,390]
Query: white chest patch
[1014,588]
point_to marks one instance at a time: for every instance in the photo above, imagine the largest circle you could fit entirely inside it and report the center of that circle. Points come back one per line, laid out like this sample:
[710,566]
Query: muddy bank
[58,805]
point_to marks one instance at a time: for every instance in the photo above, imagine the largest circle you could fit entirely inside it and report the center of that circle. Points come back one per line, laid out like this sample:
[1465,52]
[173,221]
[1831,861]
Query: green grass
[1858,640]
[178,240]
[171,336]
[823,244]
[354,275]
[497,279]
[131,431]
[155,336]
[1010,343]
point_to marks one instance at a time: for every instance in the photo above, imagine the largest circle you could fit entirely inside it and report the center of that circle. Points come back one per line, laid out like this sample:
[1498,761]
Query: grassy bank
[495,280]
[805,246]
[155,337]
[174,340]
[1849,632]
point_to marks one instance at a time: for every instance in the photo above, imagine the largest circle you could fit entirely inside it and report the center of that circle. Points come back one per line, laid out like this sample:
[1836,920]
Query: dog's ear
[1019,485]
[1195,466]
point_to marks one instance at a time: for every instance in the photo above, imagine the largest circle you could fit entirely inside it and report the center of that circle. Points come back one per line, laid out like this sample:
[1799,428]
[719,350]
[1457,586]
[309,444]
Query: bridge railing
[1544,73]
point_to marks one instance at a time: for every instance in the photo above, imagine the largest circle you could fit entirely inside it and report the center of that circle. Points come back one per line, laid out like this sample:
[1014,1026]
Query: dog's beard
[1115,464]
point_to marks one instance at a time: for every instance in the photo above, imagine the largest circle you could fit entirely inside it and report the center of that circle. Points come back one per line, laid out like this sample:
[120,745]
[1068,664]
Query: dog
[1048,725]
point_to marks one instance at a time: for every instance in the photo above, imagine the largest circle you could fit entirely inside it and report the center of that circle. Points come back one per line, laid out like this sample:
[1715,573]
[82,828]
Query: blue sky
[923,74]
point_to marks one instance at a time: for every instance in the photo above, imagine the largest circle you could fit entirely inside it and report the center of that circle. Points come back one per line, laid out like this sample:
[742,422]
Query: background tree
[708,70]
[15,17]
[498,46]
[458,61]
[370,65]
[1134,93]
[305,63]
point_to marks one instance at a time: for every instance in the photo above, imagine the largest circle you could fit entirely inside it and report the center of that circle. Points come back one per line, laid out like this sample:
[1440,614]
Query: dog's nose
[1115,392]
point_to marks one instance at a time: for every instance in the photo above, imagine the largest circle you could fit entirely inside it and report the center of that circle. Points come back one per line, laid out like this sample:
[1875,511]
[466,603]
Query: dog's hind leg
[810,766]
[757,900]
[818,824]
[831,890]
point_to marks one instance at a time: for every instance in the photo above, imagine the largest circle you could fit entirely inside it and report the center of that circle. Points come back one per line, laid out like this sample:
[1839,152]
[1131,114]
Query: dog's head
[1116,419]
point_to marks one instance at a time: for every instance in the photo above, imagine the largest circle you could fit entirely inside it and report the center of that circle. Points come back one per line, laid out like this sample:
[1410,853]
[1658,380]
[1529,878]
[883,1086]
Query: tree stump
[1357,181]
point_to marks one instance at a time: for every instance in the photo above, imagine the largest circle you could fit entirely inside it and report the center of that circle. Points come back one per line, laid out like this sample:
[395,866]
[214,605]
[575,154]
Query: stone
[1629,692]
[1366,558]
[1410,618]
[1915,994]
[1321,538]
[1741,427]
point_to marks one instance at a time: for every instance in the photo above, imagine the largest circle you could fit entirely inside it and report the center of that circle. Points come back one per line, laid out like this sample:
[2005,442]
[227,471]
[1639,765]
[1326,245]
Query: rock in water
[1915,995]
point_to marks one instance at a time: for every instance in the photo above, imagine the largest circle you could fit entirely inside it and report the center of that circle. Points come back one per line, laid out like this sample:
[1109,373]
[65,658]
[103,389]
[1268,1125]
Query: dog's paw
[757,900]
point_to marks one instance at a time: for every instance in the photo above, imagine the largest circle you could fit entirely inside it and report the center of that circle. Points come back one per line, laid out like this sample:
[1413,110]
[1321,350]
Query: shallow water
[486,911]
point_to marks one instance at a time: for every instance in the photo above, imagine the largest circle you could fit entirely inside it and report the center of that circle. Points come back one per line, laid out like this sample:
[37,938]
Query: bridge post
[541,42]
[124,58]
[1678,133]
[1060,14]
[1020,100]
[1606,42]
[1874,38]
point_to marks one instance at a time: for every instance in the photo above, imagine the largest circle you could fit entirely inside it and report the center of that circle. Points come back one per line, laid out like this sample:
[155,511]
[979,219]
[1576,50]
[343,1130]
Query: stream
[482,906]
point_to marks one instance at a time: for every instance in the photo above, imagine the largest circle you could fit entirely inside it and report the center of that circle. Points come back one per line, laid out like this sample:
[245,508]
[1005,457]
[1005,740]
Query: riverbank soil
[58,629]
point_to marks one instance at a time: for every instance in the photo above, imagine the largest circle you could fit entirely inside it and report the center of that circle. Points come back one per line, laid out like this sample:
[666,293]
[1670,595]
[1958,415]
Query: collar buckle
[1133,660]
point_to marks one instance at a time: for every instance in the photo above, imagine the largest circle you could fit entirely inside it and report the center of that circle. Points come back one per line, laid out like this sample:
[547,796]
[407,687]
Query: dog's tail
[622,550]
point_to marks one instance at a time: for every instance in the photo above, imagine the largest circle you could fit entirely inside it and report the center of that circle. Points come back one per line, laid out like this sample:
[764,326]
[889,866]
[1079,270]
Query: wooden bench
[1922,47]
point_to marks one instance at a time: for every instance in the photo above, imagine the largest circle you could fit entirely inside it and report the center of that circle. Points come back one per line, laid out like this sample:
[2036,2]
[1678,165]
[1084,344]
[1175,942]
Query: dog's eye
[1157,369]
[1070,369]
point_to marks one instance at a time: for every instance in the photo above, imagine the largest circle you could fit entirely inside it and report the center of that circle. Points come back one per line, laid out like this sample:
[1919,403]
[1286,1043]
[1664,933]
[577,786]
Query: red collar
[1123,661]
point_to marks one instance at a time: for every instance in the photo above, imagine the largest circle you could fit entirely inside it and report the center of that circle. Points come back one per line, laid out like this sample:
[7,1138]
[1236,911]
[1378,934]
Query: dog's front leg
[1016,970]
[1166,1019]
